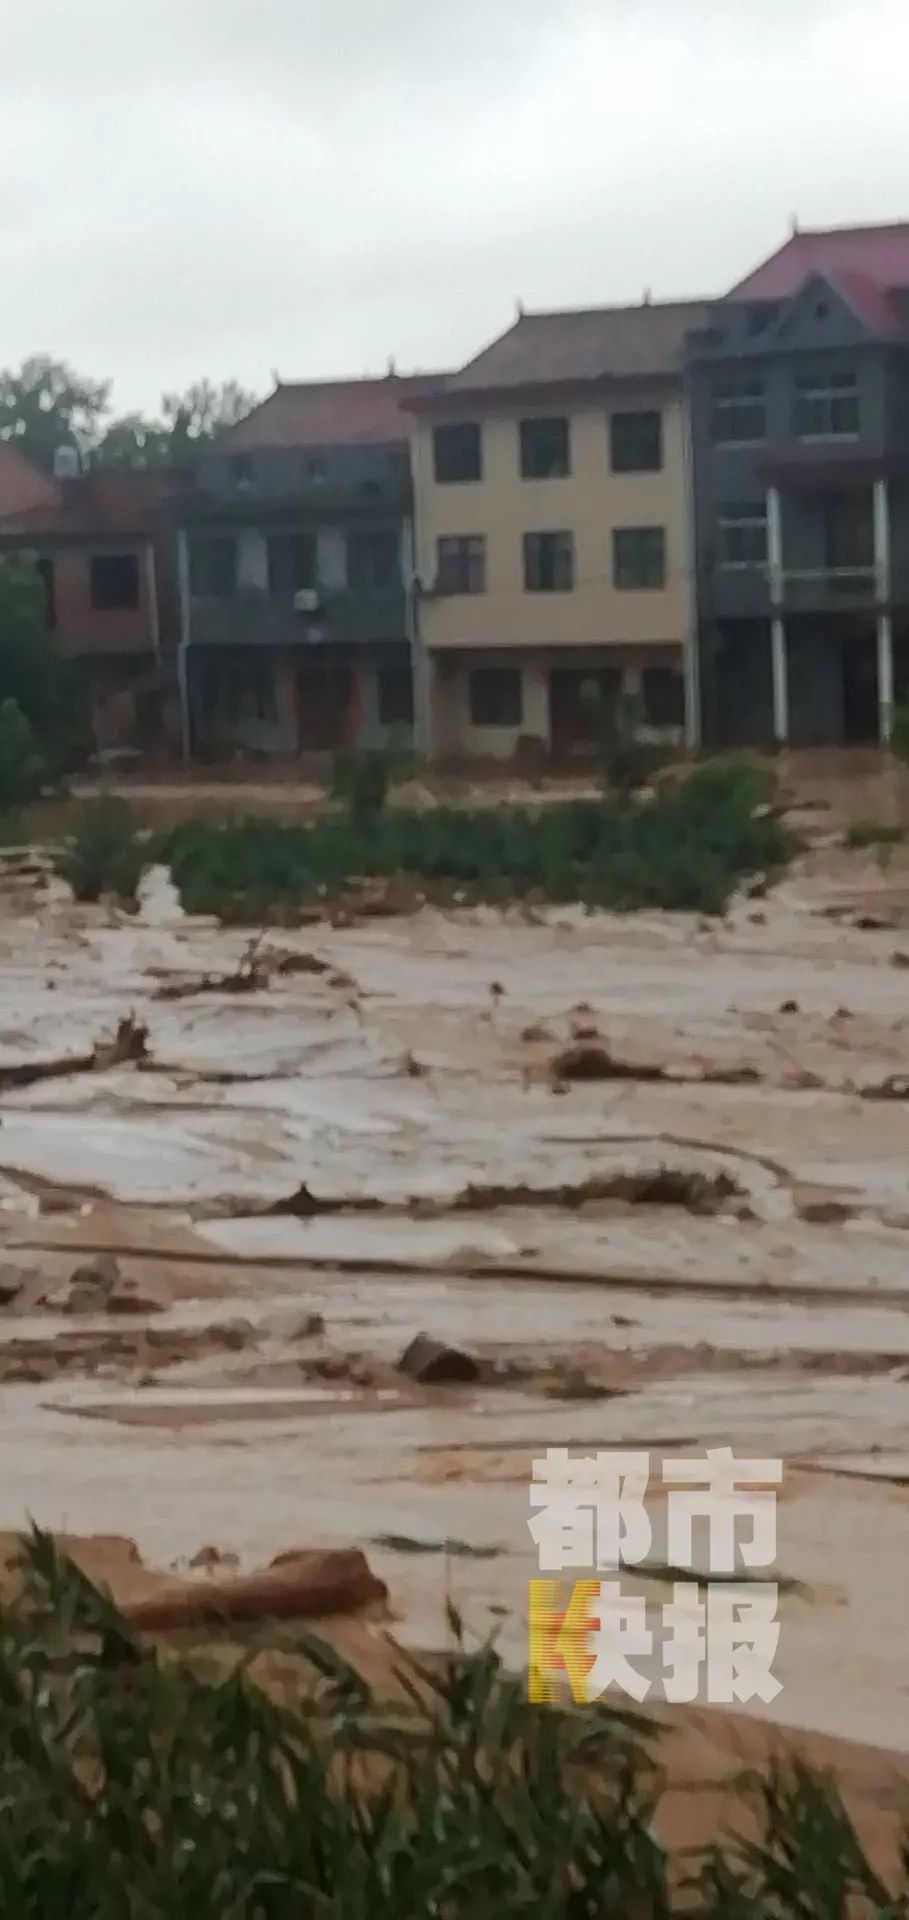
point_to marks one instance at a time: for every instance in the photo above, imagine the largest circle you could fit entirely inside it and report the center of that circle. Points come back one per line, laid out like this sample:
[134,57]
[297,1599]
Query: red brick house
[104,543]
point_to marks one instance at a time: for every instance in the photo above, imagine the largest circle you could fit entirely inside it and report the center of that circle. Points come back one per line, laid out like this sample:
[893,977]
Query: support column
[778,651]
[183,589]
[882,575]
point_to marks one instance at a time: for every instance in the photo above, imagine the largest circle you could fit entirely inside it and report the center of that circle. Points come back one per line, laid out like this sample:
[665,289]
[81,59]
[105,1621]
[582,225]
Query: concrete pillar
[183,589]
[778,651]
[691,638]
[331,558]
[780,667]
[252,559]
[883,594]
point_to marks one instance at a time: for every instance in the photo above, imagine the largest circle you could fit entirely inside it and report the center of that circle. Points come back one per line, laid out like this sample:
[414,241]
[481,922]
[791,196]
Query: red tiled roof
[330,413]
[866,264]
[100,505]
[597,343]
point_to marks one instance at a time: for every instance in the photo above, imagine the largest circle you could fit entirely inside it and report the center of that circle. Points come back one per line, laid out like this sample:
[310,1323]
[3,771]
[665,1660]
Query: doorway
[324,706]
[574,727]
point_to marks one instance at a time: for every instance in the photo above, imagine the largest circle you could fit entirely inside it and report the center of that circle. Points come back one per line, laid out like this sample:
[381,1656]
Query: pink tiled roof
[866,264]
[330,413]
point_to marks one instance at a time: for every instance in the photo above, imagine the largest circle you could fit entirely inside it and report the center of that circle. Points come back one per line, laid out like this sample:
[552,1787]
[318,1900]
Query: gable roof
[583,345]
[330,413]
[865,264]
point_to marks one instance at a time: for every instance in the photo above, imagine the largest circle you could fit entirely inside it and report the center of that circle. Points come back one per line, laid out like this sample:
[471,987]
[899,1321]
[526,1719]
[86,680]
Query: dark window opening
[827,406]
[742,535]
[461,563]
[373,559]
[213,567]
[663,697]
[849,543]
[545,448]
[639,558]
[48,585]
[114,581]
[395,697]
[291,562]
[739,411]
[496,697]
[316,470]
[457,453]
[548,562]
[636,442]
[241,467]
[248,693]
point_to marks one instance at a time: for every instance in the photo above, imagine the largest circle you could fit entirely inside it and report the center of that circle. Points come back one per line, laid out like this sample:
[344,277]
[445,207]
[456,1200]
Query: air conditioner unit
[306,600]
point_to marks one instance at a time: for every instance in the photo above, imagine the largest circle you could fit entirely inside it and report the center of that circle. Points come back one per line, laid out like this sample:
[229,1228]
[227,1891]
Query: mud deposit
[700,1236]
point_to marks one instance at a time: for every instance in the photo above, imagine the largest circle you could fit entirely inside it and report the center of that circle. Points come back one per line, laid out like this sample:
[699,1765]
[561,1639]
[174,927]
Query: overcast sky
[233,186]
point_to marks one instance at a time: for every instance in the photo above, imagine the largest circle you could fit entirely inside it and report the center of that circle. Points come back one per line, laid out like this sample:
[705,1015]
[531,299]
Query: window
[373,559]
[663,697]
[457,453]
[827,405]
[639,557]
[496,697]
[248,693]
[739,411]
[315,470]
[548,562]
[292,562]
[545,448]
[742,535]
[241,468]
[114,581]
[461,563]
[46,576]
[213,567]
[636,442]
[395,697]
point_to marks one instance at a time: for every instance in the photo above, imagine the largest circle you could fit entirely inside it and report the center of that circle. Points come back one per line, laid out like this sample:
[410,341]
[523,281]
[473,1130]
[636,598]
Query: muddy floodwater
[653,1173]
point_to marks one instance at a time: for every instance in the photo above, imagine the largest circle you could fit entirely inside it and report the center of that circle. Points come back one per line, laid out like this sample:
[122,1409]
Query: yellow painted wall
[590,502]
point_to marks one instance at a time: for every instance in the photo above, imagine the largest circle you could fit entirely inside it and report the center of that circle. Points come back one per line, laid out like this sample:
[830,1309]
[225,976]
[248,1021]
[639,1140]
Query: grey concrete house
[295,565]
[798,392]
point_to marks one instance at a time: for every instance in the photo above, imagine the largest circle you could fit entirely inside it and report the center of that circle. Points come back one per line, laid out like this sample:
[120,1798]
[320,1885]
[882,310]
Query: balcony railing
[809,588]
[252,617]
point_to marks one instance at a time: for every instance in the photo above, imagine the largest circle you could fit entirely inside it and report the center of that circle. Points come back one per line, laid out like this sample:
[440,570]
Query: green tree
[45,405]
[132,441]
[47,688]
[198,416]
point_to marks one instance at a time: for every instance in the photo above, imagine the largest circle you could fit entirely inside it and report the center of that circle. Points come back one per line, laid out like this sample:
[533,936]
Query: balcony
[825,589]
[253,618]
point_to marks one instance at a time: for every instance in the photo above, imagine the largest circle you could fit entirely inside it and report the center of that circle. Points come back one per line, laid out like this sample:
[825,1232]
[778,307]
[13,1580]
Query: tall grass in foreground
[135,1785]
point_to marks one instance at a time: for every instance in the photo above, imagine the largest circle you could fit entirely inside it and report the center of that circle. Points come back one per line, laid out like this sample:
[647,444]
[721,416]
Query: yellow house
[552,530]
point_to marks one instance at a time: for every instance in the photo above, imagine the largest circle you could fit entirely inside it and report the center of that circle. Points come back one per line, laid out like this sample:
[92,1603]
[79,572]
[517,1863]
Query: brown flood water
[717,1240]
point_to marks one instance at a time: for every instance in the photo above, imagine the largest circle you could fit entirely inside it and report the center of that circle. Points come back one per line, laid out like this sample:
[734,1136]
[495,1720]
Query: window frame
[748,519]
[822,393]
[560,561]
[621,572]
[472,470]
[501,676]
[736,396]
[460,564]
[531,464]
[624,415]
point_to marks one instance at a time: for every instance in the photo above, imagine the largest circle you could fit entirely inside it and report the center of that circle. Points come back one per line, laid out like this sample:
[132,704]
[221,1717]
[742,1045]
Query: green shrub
[362,781]
[22,767]
[688,847]
[138,1784]
[104,855]
[872,833]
